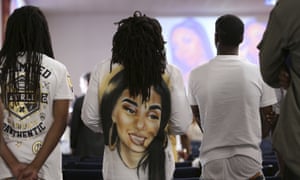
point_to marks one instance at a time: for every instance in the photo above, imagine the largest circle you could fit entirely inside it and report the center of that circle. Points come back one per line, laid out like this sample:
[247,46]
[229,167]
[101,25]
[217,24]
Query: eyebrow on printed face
[152,107]
[130,101]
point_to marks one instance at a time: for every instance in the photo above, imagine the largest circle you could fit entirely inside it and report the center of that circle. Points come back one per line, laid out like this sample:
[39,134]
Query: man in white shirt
[227,99]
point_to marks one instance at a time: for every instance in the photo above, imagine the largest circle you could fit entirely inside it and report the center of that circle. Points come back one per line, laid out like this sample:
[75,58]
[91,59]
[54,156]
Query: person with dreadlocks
[36,91]
[141,99]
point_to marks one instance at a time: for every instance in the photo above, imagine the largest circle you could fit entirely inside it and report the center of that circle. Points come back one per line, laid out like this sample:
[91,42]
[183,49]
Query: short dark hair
[230,30]
[87,76]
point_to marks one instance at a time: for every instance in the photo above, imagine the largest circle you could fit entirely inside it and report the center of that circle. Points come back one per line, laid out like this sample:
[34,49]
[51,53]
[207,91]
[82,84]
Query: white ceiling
[158,7]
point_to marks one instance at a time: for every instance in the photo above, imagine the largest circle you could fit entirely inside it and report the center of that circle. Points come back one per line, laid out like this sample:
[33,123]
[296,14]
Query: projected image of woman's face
[253,35]
[188,47]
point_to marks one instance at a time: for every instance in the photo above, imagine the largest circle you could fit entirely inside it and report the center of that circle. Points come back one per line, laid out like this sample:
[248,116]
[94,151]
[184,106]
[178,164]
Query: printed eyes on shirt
[131,108]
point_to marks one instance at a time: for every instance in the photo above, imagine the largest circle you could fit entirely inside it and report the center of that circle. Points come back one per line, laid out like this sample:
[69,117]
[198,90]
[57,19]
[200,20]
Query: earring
[165,140]
[112,145]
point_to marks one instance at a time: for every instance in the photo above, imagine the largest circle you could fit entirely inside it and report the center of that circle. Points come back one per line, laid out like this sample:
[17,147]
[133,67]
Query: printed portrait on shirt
[131,126]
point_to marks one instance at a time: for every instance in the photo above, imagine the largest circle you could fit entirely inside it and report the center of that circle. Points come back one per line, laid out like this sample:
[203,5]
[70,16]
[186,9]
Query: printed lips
[138,140]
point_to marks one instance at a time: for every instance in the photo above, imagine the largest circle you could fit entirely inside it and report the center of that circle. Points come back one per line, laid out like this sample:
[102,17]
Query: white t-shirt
[181,116]
[115,168]
[24,131]
[229,92]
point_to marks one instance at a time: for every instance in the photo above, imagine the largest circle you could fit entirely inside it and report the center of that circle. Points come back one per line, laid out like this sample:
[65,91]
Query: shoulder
[53,64]
[248,65]
[100,69]
[104,64]
[200,70]
[174,74]
[172,69]
[253,67]
[253,72]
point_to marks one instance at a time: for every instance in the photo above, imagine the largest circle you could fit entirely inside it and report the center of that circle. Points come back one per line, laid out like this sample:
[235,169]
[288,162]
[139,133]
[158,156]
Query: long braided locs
[27,34]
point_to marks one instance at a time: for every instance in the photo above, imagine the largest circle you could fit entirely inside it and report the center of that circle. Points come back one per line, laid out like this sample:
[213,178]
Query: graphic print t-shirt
[28,121]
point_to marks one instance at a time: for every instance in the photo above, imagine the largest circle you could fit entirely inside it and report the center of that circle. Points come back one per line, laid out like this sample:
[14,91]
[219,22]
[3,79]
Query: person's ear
[217,40]
[241,39]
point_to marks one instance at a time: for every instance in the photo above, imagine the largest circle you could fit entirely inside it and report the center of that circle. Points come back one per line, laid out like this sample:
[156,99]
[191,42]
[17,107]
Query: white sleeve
[268,96]
[90,108]
[64,88]
[181,114]
[191,98]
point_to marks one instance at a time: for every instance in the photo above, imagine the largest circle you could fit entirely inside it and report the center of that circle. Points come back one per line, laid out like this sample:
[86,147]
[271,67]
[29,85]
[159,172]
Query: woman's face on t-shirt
[137,123]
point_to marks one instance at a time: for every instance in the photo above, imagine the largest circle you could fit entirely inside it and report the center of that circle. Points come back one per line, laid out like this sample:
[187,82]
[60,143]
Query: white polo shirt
[229,92]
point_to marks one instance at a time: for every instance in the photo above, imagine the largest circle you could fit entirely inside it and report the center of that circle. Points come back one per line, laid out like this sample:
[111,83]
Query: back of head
[229,30]
[138,45]
[27,34]
[27,31]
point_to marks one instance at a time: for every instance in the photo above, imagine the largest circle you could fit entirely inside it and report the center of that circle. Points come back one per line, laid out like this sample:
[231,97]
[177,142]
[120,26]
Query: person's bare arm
[10,159]
[14,165]
[196,115]
[186,148]
[284,78]
[60,115]
[268,120]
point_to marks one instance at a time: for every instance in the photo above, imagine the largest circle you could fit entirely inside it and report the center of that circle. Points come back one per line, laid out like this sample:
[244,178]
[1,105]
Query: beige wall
[81,41]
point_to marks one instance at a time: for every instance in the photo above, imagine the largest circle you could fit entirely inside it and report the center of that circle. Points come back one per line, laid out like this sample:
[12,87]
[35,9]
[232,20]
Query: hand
[271,118]
[183,154]
[284,79]
[29,173]
[16,170]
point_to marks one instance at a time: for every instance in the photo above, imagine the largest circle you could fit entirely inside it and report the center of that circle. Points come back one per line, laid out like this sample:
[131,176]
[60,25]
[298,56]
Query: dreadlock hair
[27,34]
[138,45]
[230,30]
